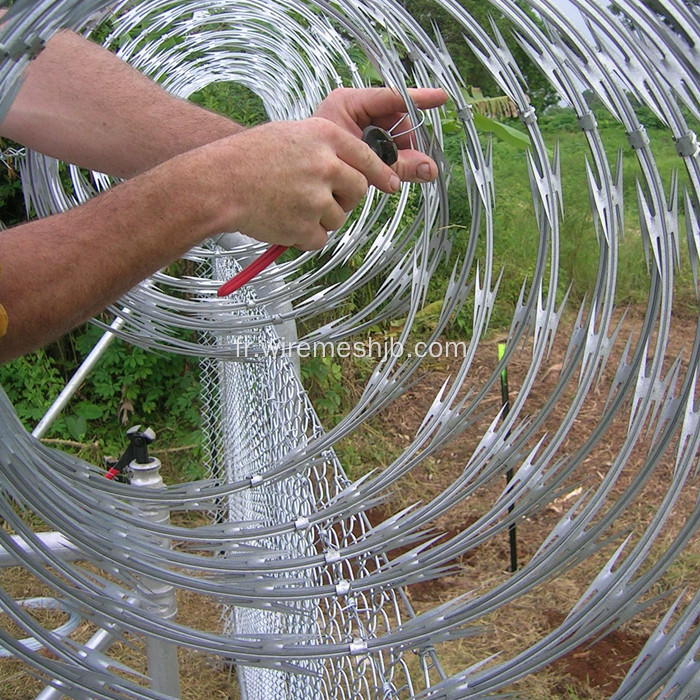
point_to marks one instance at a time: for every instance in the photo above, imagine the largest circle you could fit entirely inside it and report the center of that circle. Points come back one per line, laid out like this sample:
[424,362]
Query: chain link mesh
[255,410]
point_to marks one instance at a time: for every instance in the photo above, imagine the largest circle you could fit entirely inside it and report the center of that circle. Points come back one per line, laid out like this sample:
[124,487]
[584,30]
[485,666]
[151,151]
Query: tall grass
[516,234]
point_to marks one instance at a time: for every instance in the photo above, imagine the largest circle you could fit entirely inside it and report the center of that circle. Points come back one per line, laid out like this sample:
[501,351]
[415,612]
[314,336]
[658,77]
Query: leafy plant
[233,100]
[128,385]
[488,113]
[29,382]
[323,379]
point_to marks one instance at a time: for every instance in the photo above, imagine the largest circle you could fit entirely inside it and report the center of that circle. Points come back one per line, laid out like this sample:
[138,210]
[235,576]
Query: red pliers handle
[381,142]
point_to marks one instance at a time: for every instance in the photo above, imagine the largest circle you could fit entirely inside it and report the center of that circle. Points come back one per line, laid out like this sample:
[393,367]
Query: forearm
[61,270]
[82,104]
[286,183]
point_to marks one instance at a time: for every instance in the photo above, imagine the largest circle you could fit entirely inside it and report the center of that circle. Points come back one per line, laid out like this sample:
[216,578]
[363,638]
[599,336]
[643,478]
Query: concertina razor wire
[317,595]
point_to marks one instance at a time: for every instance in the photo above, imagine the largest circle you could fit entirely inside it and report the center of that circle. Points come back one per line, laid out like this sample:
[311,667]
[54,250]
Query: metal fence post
[154,595]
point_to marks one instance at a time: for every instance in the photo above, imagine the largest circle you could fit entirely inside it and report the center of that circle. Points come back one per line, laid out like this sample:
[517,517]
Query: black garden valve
[137,451]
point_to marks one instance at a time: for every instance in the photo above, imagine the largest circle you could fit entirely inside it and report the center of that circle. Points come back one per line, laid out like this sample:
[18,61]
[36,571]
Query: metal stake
[505,397]
[162,656]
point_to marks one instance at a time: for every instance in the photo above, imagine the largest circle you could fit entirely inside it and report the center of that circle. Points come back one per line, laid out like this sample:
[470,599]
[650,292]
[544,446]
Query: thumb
[414,166]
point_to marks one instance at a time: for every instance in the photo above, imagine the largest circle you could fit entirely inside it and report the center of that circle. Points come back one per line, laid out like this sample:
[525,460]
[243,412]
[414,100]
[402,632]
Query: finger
[314,239]
[349,186]
[358,155]
[414,166]
[333,217]
[387,108]
[428,98]
[383,102]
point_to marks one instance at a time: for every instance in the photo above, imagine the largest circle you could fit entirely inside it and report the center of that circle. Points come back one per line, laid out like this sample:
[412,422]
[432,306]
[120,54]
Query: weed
[128,385]
[323,380]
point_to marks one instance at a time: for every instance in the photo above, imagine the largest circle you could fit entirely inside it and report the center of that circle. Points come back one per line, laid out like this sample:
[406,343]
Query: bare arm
[82,104]
[59,271]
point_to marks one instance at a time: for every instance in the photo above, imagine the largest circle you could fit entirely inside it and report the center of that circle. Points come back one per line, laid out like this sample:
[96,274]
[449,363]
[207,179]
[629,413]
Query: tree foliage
[658,8]
[427,12]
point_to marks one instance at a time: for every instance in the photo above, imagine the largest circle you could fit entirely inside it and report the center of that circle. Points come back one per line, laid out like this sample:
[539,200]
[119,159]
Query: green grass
[516,235]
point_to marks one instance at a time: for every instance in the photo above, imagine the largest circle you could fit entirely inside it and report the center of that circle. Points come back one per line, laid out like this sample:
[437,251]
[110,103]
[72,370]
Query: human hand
[289,182]
[355,109]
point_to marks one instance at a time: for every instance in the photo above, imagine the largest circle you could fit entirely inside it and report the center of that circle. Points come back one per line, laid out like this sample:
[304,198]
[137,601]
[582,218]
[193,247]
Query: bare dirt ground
[590,671]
